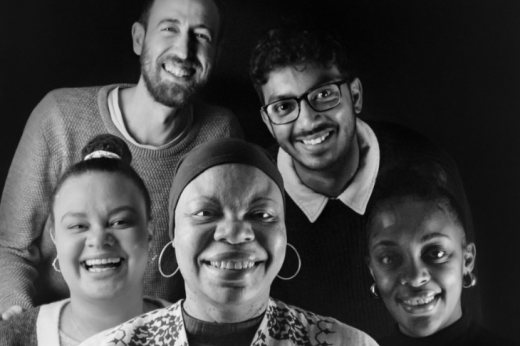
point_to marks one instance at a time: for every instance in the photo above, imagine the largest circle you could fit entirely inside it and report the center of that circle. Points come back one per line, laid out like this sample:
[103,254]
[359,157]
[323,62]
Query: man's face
[317,140]
[177,48]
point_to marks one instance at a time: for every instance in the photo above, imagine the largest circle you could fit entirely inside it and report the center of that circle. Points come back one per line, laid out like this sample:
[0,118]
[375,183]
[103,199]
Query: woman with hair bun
[101,227]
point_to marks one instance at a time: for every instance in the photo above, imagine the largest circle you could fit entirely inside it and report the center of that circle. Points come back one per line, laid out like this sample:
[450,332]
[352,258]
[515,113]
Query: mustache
[315,129]
[187,63]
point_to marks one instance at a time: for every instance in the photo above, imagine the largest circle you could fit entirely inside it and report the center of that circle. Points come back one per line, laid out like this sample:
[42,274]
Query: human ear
[369,264]
[150,227]
[138,33]
[356,92]
[470,254]
[267,122]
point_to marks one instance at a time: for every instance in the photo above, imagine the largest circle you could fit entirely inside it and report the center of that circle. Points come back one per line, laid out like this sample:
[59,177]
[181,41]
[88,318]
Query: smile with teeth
[316,141]
[232,265]
[178,71]
[418,301]
[102,264]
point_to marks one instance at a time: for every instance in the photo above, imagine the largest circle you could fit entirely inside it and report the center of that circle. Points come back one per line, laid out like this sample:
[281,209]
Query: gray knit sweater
[62,123]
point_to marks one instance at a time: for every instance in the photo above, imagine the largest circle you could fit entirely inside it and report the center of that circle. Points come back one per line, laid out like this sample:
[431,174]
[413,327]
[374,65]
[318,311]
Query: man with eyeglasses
[329,160]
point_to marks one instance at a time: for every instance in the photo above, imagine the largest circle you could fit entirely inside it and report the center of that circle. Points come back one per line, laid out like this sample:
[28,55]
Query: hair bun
[110,143]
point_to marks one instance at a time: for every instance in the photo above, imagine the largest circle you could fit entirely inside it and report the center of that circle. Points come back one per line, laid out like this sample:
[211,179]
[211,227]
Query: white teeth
[419,301]
[98,261]
[315,140]
[232,265]
[177,71]
[98,270]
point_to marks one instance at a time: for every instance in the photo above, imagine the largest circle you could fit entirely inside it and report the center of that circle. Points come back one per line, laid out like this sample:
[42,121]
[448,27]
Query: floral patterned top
[282,325]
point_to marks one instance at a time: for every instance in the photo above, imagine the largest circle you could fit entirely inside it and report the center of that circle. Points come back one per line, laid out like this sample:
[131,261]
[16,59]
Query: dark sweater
[334,279]
[464,332]
[20,330]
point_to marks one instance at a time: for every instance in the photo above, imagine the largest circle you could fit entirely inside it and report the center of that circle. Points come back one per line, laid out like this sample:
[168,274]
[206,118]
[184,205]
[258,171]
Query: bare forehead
[411,217]
[236,179]
[196,12]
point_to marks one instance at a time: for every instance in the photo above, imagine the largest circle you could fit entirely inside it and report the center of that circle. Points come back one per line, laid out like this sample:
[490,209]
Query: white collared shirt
[357,193]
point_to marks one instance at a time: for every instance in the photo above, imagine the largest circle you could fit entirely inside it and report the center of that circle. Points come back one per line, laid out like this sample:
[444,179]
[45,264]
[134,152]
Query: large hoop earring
[472,280]
[373,290]
[160,261]
[55,266]
[299,265]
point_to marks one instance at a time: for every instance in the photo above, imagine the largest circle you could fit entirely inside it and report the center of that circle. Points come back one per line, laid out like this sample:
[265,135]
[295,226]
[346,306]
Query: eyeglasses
[321,99]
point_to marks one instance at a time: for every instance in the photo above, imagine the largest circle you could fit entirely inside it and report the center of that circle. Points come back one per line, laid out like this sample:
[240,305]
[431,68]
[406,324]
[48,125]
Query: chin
[420,327]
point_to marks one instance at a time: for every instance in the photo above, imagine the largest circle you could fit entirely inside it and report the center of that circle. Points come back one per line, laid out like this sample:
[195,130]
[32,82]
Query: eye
[436,255]
[389,260]
[171,29]
[77,226]
[119,223]
[323,94]
[204,213]
[203,36]
[262,215]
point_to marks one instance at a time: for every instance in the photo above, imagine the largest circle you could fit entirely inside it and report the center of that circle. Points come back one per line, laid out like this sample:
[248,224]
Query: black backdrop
[449,69]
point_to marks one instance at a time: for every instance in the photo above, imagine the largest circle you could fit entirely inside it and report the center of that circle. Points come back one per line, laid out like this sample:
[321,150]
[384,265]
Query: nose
[182,45]
[234,232]
[100,238]
[415,274]
[307,117]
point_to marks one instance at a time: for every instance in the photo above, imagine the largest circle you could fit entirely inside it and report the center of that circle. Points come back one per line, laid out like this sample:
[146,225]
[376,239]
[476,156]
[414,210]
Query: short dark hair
[147,6]
[112,144]
[298,44]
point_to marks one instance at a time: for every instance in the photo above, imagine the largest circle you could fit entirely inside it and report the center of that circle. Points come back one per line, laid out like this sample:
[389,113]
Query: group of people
[137,214]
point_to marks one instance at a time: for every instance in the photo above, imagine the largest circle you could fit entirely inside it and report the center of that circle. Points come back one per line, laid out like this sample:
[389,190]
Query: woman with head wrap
[102,230]
[421,254]
[228,232]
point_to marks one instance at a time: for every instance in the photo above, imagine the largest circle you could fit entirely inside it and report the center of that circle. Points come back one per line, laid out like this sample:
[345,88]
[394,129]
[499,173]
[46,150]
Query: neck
[210,311]
[83,318]
[148,121]
[333,180]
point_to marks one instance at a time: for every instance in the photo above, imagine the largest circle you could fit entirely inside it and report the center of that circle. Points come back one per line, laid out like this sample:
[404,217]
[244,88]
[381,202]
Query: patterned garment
[282,325]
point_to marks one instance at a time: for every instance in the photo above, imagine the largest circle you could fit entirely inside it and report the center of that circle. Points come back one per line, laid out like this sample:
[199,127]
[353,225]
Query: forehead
[194,12]
[98,190]
[296,80]
[233,184]
[408,218]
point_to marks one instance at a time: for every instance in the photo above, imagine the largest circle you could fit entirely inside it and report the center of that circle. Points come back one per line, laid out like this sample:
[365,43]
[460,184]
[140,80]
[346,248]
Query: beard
[169,94]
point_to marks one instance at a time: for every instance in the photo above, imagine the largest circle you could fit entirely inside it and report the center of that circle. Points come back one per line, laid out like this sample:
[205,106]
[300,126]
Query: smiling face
[177,48]
[101,235]
[317,140]
[418,259]
[229,236]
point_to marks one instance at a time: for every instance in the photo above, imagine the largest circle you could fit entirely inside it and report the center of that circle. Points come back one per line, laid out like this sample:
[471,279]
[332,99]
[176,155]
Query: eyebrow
[387,243]
[177,22]
[113,211]
[434,235]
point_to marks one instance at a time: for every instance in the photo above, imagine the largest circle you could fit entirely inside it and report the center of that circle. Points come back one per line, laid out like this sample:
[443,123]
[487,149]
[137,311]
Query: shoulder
[304,326]
[217,119]
[145,329]
[21,329]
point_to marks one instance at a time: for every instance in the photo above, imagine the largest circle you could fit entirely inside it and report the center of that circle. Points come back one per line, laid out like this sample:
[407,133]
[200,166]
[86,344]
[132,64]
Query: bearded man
[159,118]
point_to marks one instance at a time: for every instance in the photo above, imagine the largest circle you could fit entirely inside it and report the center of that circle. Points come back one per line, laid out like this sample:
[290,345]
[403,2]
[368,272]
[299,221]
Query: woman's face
[101,235]
[230,235]
[417,260]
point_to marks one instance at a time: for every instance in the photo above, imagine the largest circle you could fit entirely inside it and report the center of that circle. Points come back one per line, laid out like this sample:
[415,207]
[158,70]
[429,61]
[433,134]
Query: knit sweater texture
[58,128]
[334,279]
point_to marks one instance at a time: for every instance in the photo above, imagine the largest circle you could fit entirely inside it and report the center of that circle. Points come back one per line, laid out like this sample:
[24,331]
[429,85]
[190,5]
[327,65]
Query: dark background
[449,69]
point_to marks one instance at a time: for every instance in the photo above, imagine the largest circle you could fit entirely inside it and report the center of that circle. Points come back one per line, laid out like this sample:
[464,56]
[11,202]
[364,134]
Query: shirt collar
[357,193]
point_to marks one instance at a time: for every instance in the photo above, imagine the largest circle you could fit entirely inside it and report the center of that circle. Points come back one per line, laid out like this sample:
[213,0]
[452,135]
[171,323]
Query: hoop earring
[472,280]
[160,261]
[55,266]
[373,290]
[299,265]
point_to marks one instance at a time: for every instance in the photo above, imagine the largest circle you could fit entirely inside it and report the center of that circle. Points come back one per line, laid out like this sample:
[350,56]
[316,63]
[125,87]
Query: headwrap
[215,153]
